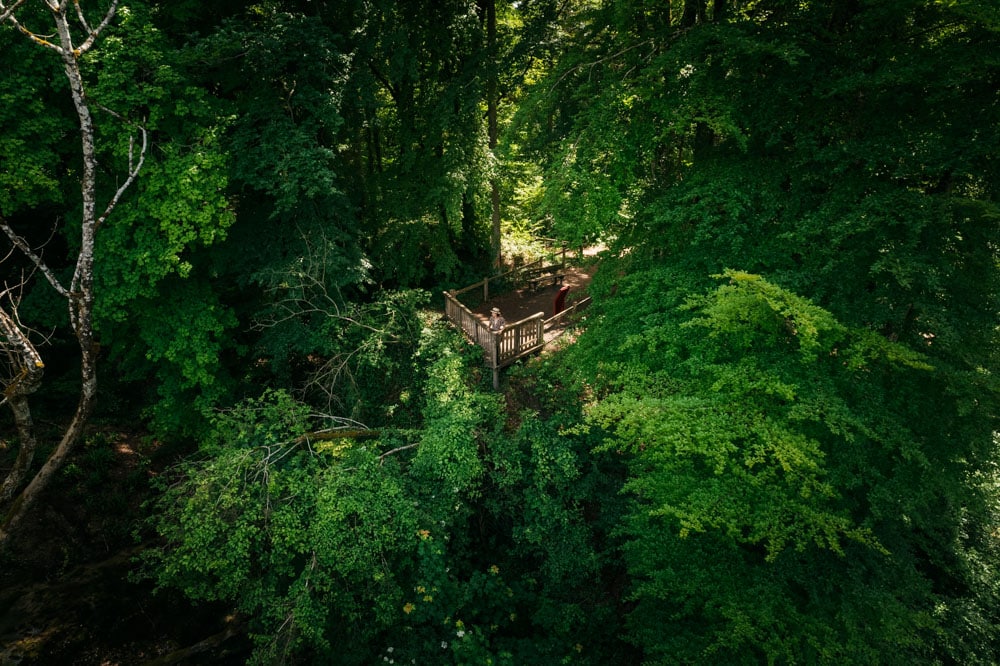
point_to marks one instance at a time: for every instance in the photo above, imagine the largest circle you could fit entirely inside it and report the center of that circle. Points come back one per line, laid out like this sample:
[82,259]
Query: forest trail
[521,303]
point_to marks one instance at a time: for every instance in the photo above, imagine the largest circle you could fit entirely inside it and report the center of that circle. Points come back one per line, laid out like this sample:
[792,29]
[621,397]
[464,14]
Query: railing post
[495,360]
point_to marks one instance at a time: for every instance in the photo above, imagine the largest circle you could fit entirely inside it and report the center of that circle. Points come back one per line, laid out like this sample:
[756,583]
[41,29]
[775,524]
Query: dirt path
[517,305]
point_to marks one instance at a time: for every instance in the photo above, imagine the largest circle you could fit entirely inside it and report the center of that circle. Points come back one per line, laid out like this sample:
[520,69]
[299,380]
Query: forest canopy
[774,438]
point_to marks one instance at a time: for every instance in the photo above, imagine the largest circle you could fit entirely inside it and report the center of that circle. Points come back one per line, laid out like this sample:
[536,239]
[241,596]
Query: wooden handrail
[519,339]
[456,292]
[559,315]
[522,321]
[485,282]
[516,340]
[471,325]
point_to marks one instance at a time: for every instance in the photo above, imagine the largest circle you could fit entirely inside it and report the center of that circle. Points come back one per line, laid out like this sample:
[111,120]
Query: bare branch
[80,16]
[7,10]
[10,253]
[8,293]
[26,368]
[92,34]
[29,366]
[340,421]
[381,458]
[38,39]
[133,168]
[599,61]
[24,361]
[22,245]
[327,378]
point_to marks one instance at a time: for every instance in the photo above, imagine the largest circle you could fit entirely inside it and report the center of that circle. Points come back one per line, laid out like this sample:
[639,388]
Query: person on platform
[497,322]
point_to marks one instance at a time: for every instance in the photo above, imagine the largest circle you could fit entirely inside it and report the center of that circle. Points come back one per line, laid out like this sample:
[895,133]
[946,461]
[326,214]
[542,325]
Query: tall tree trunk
[80,294]
[28,367]
[492,126]
[719,8]
[694,12]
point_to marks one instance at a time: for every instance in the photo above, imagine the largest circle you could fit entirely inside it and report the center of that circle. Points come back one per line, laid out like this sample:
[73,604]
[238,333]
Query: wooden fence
[515,341]
[500,348]
[566,314]
[485,282]
[473,326]
[520,339]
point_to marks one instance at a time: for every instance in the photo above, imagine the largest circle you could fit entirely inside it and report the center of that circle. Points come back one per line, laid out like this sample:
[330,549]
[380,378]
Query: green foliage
[149,289]
[354,358]
[303,535]
[287,87]
[789,462]
[560,506]
[448,451]
[734,436]
[770,439]
[820,436]
[178,203]
[177,360]
[29,146]
[310,536]
[420,161]
[179,207]
[453,542]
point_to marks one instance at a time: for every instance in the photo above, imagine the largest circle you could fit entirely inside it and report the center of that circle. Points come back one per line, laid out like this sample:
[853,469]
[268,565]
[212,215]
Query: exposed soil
[521,303]
[67,594]
[67,588]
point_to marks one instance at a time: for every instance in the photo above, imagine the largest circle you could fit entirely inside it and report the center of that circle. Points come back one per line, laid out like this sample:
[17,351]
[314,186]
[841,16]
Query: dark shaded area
[68,585]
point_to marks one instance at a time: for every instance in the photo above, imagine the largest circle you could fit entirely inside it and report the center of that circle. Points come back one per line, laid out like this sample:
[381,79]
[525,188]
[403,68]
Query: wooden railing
[502,348]
[515,340]
[520,339]
[567,313]
[473,326]
[485,282]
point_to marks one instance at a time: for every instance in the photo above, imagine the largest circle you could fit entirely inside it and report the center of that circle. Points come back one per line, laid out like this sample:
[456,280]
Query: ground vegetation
[773,438]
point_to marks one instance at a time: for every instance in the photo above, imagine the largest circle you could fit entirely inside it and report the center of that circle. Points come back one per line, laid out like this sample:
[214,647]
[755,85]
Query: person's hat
[495,310]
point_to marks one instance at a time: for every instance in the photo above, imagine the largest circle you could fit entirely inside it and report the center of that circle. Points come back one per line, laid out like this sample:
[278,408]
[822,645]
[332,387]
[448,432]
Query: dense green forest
[227,227]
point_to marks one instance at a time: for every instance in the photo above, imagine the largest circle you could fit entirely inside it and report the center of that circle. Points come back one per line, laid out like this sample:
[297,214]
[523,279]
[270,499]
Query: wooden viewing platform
[517,339]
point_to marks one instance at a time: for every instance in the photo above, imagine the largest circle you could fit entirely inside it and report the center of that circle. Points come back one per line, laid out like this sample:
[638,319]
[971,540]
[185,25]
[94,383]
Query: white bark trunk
[80,295]
[27,367]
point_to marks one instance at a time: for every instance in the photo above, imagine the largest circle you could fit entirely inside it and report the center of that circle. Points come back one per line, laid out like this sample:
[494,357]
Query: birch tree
[74,35]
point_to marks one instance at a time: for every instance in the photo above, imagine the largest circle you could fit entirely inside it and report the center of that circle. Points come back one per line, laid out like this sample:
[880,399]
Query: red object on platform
[559,304]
